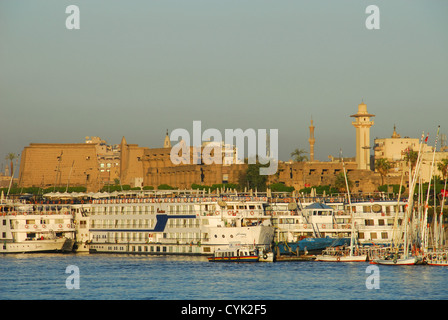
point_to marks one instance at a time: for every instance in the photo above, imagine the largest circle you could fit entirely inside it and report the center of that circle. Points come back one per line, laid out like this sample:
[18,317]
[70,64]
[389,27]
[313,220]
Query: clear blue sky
[137,68]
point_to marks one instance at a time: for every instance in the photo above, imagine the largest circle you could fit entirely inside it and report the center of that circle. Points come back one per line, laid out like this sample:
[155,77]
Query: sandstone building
[94,164]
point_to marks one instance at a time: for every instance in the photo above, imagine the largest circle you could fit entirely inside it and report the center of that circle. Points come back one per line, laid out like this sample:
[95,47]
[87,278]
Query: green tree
[252,178]
[443,166]
[298,155]
[340,182]
[382,166]
[165,187]
[411,157]
[280,187]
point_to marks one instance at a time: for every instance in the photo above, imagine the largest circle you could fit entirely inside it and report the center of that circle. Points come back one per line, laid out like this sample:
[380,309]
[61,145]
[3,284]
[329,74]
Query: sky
[137,68]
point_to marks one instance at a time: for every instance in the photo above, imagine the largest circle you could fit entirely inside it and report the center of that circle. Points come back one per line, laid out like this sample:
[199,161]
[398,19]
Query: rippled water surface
[43,276]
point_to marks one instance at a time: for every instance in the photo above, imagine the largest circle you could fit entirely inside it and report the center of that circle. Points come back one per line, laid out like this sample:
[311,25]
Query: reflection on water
[43,276]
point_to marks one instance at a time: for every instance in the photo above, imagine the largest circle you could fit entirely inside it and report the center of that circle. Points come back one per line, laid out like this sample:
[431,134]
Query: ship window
[373,235]
[4,222]
[384,235]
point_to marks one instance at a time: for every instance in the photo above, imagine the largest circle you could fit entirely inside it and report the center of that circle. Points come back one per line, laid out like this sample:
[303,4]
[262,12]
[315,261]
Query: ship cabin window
[30,221]
[369,222]
[384,235]
[366,209]
[242,207]
[3,234]
[4,222]
[381,222]
[30,235]
[251,207]
[230,207]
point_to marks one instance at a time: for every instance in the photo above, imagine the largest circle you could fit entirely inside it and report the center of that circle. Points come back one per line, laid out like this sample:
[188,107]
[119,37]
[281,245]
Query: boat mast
[441,231]
[425,226]
[352,238]
[412,182]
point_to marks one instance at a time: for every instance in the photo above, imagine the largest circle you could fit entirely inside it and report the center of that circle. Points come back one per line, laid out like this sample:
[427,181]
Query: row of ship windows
[144,223]
[171,209]
[142,209]
[156,249]
[377,208]
[367,222]
[142,236]
[34,221]
[373,236]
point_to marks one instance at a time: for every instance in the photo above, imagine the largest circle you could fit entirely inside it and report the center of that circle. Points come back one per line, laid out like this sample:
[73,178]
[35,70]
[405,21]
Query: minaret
[167,142]
[311,140]
[123,158]
[362,124]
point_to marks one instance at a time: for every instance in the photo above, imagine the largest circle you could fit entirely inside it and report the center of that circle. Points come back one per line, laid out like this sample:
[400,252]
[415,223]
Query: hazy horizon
[138,68]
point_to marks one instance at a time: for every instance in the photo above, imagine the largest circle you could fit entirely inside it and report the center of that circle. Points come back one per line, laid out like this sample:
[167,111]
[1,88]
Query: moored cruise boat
[318,225]
[35,227]
[154,223]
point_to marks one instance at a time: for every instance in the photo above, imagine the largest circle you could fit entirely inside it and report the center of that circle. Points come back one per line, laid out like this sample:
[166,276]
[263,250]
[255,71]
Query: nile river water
[123,277]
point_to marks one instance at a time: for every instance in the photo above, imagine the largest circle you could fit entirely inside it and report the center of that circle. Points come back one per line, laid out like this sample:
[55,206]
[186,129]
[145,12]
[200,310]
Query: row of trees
[383,165]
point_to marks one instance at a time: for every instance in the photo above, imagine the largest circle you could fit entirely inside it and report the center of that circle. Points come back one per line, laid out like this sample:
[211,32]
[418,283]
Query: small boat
[341,255]
[235,254]
[436,258]
[397,260]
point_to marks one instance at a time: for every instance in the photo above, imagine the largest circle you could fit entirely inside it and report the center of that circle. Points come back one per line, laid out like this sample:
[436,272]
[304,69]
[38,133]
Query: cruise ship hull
[219,238]
[37,246]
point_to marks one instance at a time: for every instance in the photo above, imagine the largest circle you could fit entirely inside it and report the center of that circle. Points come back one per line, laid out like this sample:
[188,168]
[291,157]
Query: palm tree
[383,166]
[443,166]
[411,156]
[298,155]
[340,184]
[11,157]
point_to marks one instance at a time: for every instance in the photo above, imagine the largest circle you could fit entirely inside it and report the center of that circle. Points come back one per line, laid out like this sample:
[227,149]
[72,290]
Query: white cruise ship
[373,220]
[150,223]
[35,227]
